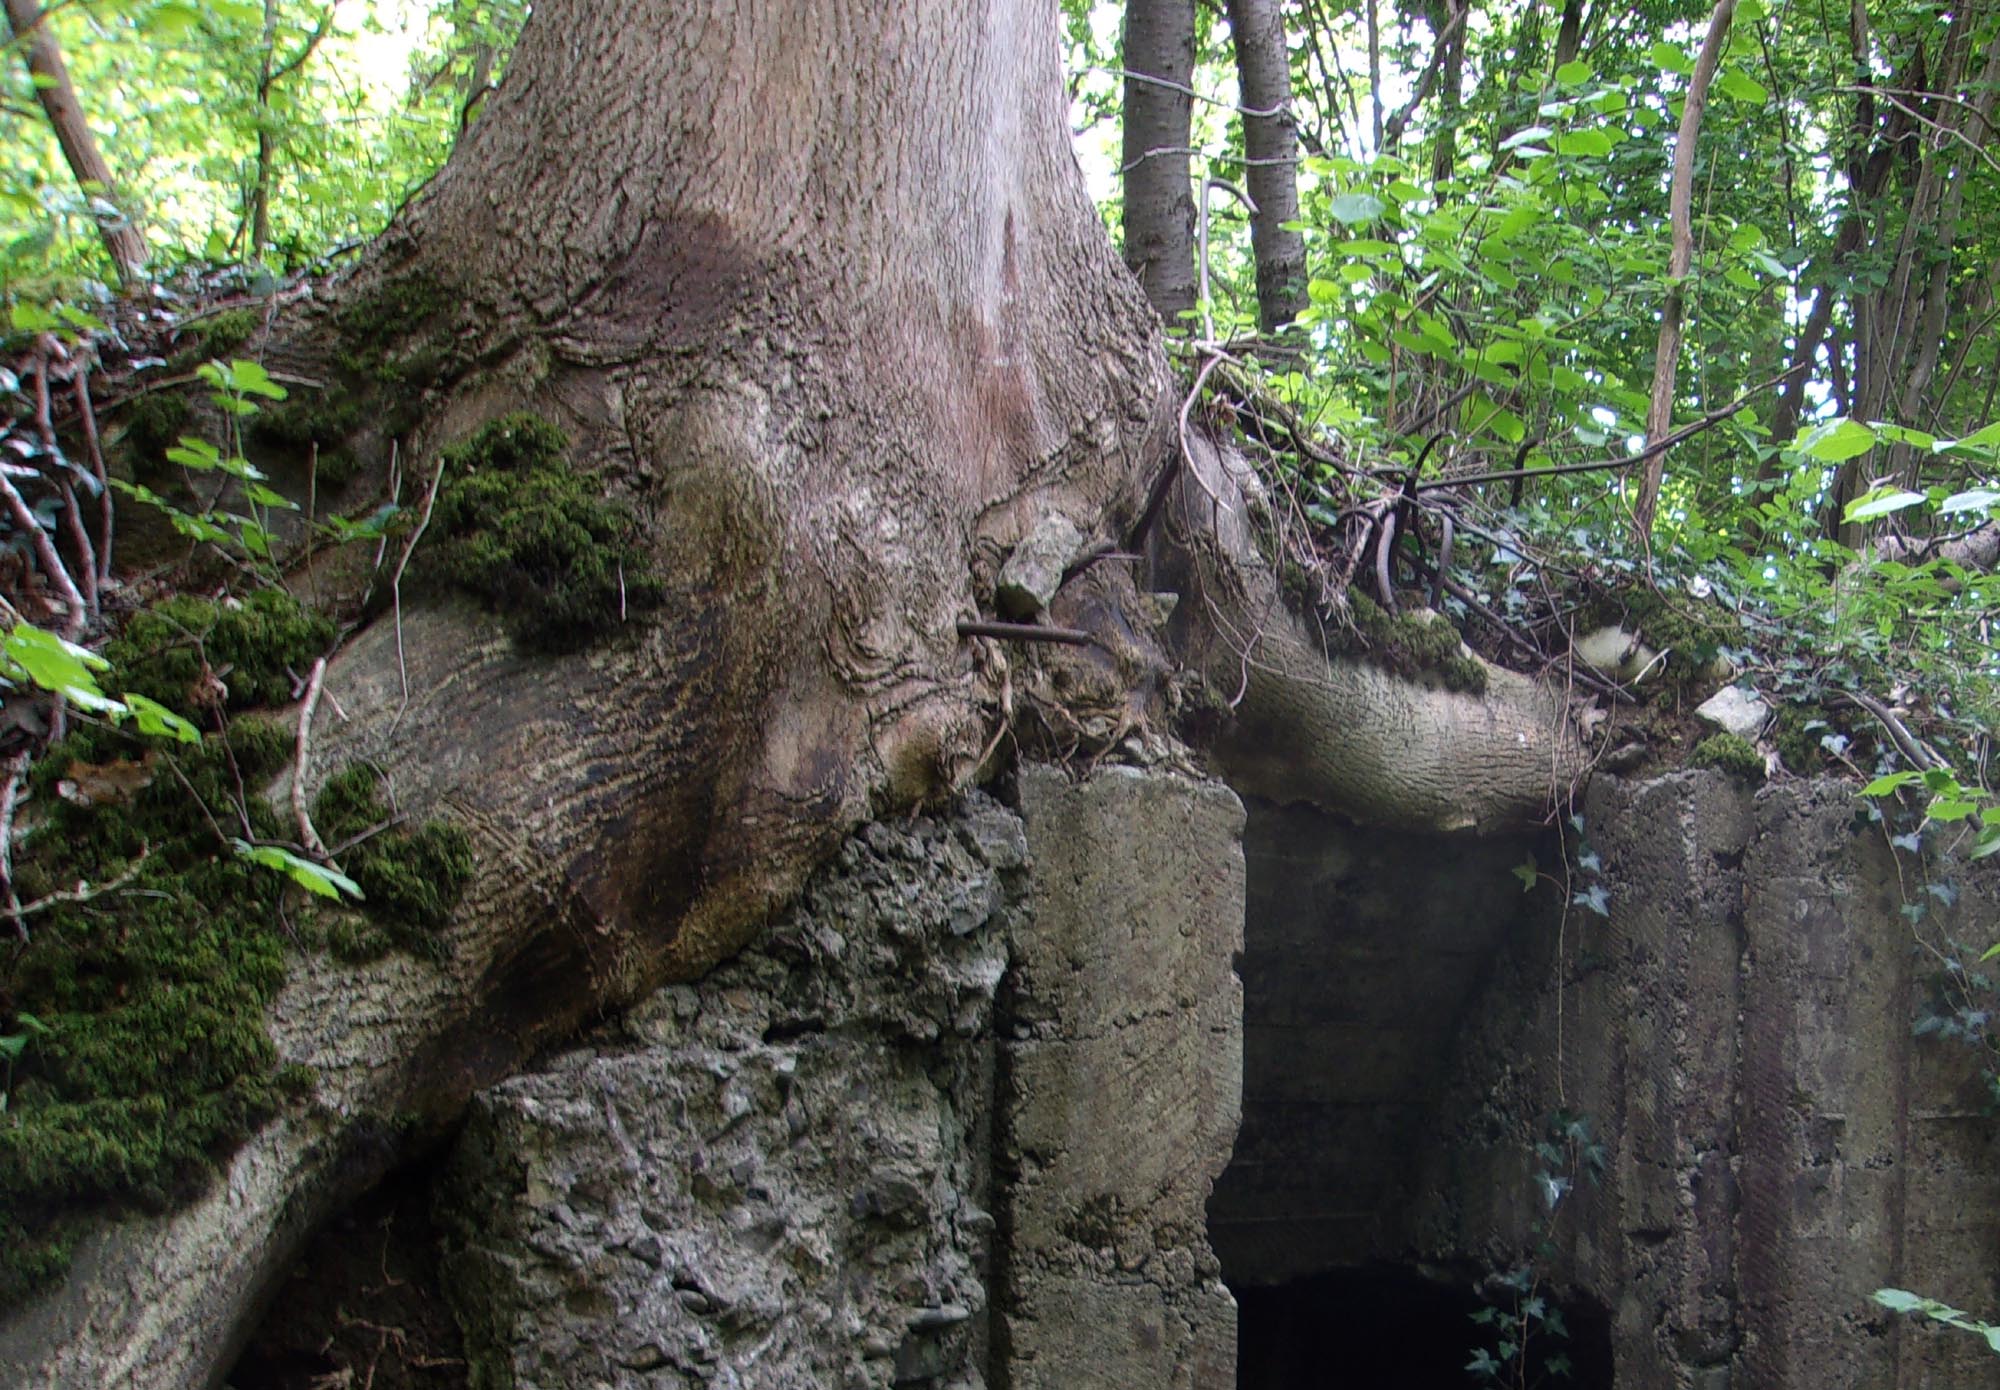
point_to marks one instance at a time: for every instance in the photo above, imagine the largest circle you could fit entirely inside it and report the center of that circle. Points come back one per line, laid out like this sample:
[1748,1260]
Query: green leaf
[1526,135]
[1880,501]
[1976,499]
[1836,441]
[155,720]
[1883,786]
[197,454]
[1529,872]
[1575,74]
[1899,1300]
[321,879]
[1353,209]
[1742,88]
[252,380]
[1671,58]
[32,318]
[60,667]
[265,497]
[237,11]
[1595,143]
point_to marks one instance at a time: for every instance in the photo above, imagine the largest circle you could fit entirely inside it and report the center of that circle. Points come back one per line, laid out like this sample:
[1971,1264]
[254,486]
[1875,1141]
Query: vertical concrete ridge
[1120,1089]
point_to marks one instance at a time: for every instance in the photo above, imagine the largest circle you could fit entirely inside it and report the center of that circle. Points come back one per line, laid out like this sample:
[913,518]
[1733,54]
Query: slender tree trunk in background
[270,73]
[53,89]
[1375,70]
[1158,187]
[1569,38]
[1680,261]
[1449,18]
[260,192]
[1270,144]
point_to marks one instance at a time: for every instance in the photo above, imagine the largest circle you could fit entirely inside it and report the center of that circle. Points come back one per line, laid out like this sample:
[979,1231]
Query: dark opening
[1385,1328]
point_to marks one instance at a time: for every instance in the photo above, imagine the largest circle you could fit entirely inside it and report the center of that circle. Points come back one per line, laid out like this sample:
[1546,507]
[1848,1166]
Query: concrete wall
[1121,1085]
[1739,1034]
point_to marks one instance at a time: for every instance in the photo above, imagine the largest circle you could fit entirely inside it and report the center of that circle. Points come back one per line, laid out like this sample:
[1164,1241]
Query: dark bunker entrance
[1384,1327]
[1336,1222]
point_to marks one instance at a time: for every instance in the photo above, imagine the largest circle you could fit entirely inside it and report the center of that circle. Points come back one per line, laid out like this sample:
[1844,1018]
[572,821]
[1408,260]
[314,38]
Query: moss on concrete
[535,540]
[256,646]
[157,1060]
[1414,644]
[1731,754]
[410,879]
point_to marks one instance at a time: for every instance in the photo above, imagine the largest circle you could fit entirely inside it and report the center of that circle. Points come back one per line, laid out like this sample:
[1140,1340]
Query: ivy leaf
[319,879]
[1596,898]
[1527,872]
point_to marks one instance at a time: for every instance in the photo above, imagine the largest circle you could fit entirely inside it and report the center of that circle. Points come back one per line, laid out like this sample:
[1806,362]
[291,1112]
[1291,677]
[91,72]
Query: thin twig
[82,893]
[1681,435]
[10,796]
[396,585]
[94,452]
[301,750]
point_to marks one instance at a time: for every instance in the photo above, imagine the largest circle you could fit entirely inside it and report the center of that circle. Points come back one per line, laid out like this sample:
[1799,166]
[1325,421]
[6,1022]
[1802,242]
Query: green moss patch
[410,879]
[535,540]
[1414,645]
[152,424]
[1688,632]
[156,1061]
[326,419]
[1730,754]
[214,336]
[256,646]
[380,332]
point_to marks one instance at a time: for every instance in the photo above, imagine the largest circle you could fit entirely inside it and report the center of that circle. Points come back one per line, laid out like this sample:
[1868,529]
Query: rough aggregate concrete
[785,1175]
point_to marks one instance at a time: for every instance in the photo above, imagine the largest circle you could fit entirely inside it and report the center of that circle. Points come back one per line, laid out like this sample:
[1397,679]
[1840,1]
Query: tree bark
[1159,114]
[1270,147]
[57,95]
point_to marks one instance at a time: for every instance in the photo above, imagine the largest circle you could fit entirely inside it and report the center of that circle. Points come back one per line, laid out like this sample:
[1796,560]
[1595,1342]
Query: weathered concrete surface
[1121,1085]
[1364,950]
[777,1177]
[1779,1144]
[780,1176]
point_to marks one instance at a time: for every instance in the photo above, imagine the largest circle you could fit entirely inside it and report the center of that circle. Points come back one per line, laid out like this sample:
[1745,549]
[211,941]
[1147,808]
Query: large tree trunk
[842,331]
